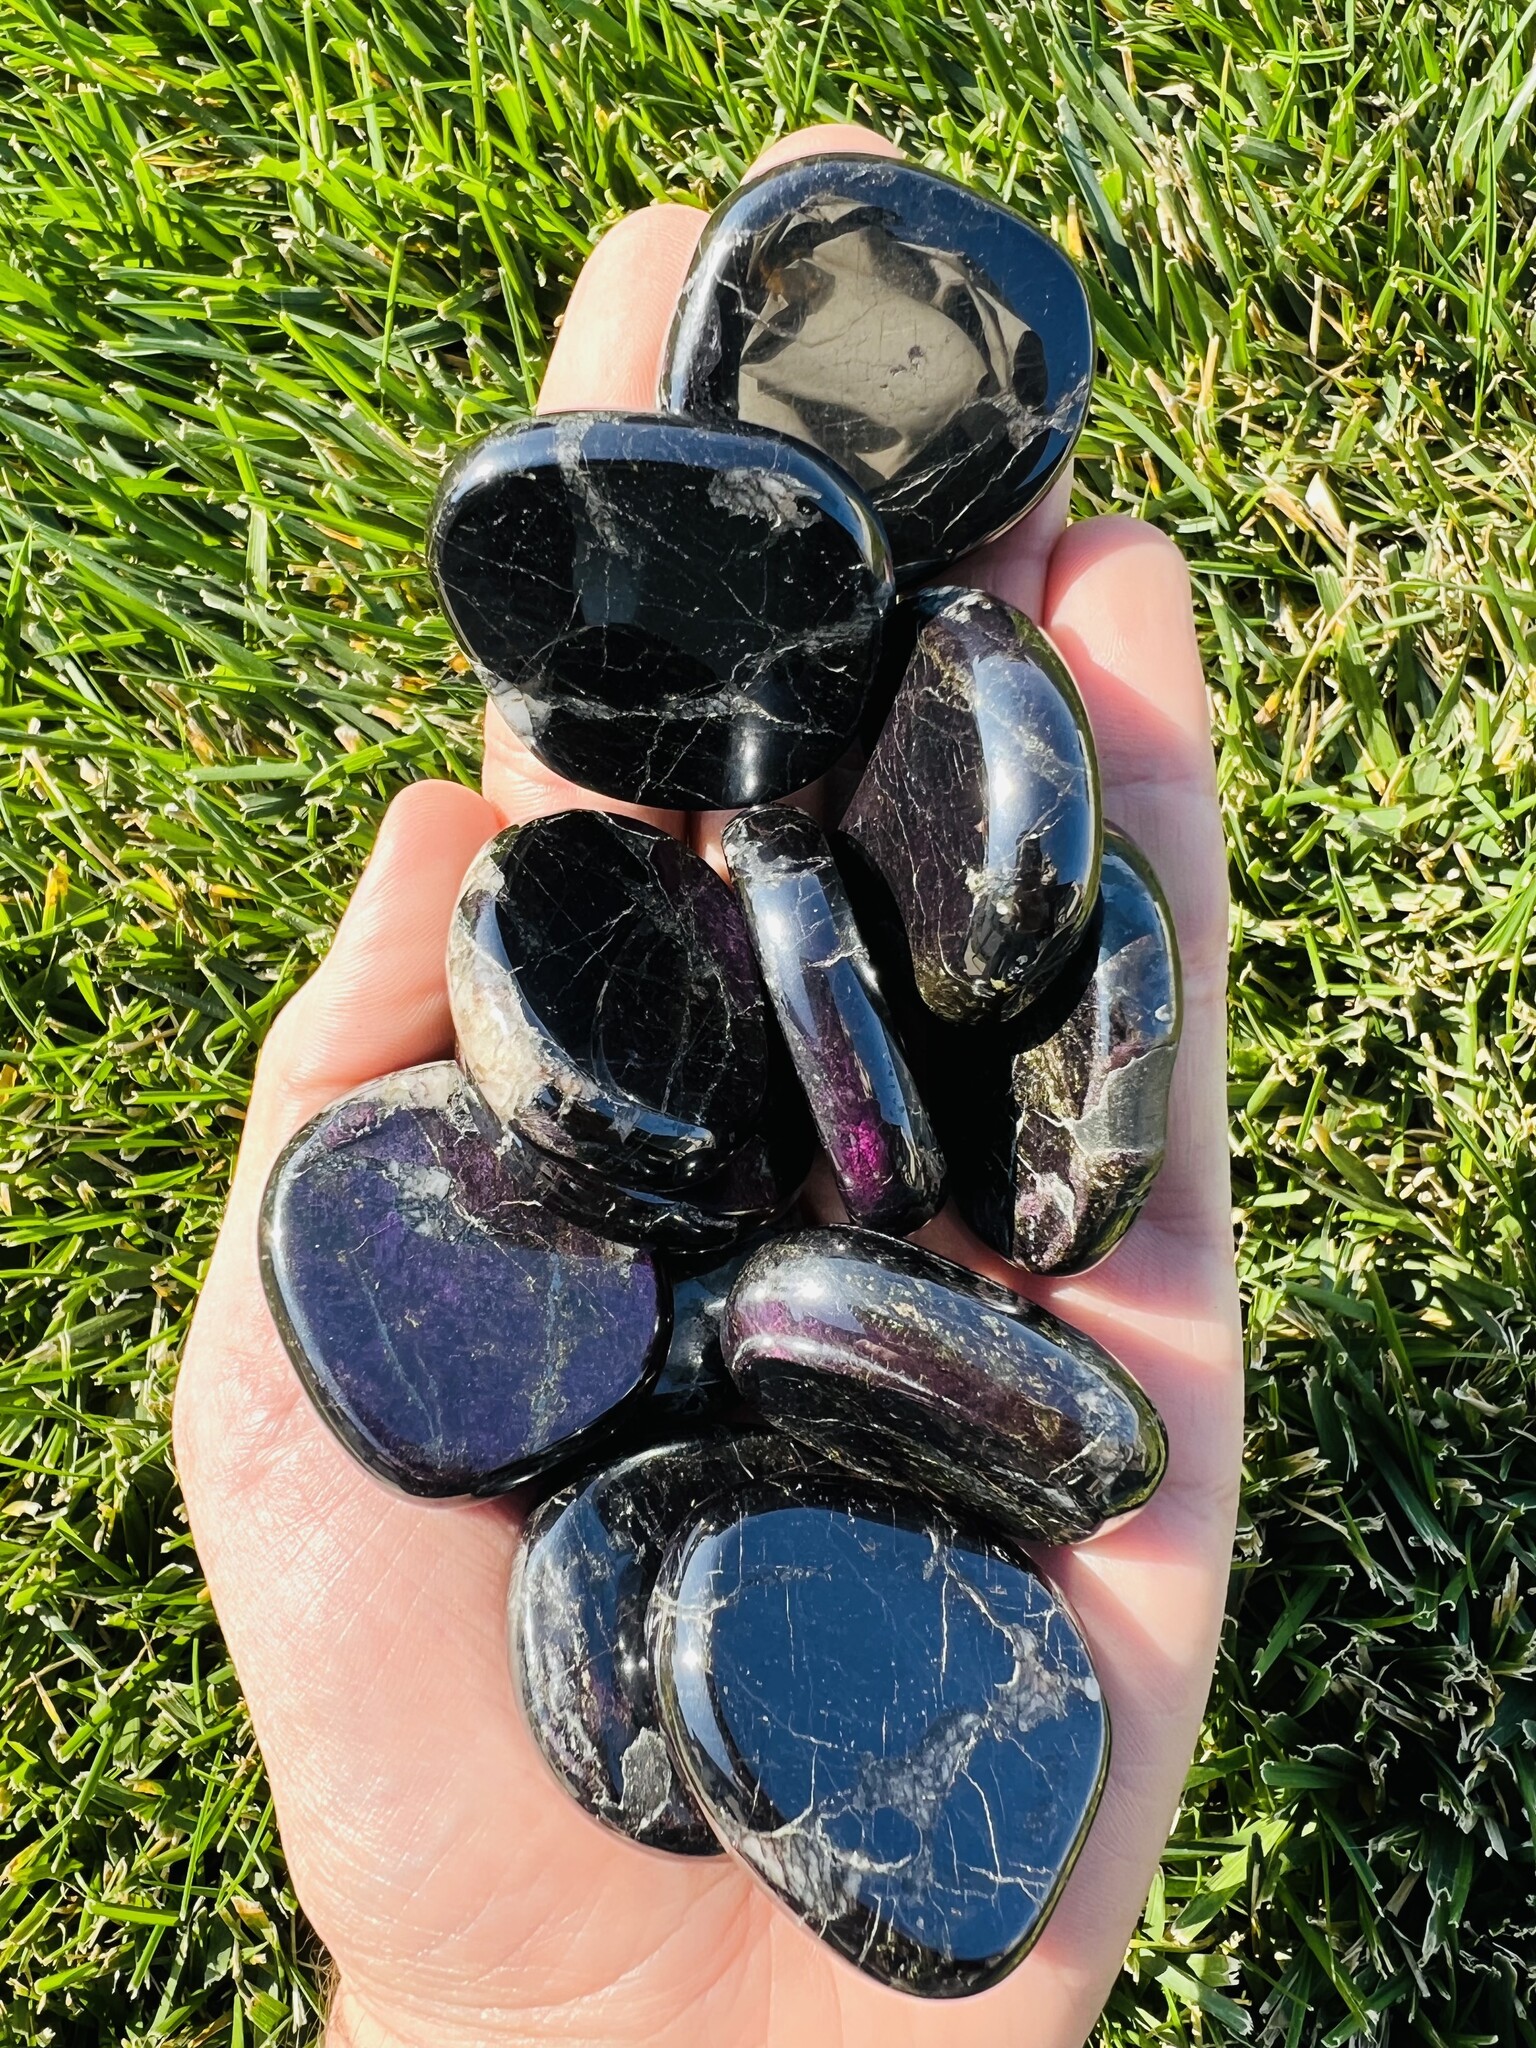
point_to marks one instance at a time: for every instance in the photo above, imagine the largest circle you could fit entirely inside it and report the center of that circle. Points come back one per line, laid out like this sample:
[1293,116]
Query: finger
[607,357]
[828,138]
[1118,606]
[1014,566]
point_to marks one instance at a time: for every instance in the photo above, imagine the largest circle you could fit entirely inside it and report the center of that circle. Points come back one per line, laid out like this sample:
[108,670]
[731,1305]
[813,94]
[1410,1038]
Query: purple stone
[457,1336]
[835,1022]
[914,1370]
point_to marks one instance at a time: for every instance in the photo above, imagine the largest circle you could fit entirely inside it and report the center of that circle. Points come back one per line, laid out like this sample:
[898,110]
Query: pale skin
[466,1901]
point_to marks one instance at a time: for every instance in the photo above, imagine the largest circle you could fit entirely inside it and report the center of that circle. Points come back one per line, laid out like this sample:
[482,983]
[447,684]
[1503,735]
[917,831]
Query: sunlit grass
[261,264]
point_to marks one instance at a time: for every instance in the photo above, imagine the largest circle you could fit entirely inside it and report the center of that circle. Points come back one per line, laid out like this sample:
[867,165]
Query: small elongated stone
[913,1369]
[925,338]
[979,808]
[892,1721]
[823,990]
[1057,1125]
[664,612]
[457,1337]
[577,1611]
[605,998]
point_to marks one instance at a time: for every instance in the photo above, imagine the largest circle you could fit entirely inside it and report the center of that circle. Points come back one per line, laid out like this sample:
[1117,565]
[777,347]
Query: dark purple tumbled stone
[457,1335]
[917,1371]
[606,1001]
[822,985]
[1056,1125]
[979,808]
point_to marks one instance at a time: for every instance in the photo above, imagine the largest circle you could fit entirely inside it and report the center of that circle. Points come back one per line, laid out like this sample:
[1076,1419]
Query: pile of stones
[771,1597]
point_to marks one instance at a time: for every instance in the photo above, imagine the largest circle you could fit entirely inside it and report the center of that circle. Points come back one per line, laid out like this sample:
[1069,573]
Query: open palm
[465,1899]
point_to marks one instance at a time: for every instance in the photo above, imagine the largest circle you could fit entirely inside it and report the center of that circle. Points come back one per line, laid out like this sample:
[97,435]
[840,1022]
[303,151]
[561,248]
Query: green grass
[265,261]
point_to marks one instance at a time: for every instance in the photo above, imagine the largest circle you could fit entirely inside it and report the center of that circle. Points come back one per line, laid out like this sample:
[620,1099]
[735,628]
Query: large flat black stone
[665,612]
[891,1720]
[925,338]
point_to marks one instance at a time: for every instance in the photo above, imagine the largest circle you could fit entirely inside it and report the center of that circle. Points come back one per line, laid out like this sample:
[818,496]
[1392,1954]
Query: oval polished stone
[605,998]
[979,808]
[1059,1128]
[893,1722]
[925,338]
[457,1337]
[822,986]
[913,1369]
[664,612]
[577,1611]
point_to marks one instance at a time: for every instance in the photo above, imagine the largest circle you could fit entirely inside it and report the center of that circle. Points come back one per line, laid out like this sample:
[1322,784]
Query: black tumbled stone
[693,1384]
[906,1366]
[577,1614]
[979,808]
[664,612]
[892,1721]
[605,998]
[925,338]
[835,1022]
[1056,1125]
[457,1336]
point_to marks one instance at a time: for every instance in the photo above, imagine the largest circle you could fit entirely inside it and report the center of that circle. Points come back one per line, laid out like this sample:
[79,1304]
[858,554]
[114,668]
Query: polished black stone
[1056,1125]
[456,1336]
[664,612]
[822,986]
[979,808]
[925,338]
[606,1001]
[893,1722]
[908,1367]
[577,1611]
[693,1384]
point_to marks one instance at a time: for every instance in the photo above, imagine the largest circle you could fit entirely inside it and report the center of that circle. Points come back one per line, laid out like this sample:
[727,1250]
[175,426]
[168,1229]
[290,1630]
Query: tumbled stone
[605,998]
[892,1721]
[693,1384]
[911,1368]
[1056,1125]
[822,987]
[925,338]
[577,1612]
[979,808]
[456,1336]
[755,1185]
[664,612]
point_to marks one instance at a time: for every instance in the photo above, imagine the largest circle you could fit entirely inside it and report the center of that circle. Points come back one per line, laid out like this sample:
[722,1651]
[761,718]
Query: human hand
[465,1900]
